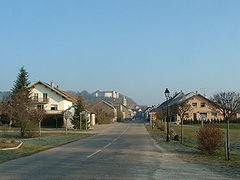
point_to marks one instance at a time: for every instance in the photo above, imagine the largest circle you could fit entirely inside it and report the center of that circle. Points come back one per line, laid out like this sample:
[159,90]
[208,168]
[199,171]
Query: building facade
[56,103]
[107,94]
[201,108]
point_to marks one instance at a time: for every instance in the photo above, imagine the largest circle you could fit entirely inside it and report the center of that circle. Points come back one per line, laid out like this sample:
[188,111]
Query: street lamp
[167,95]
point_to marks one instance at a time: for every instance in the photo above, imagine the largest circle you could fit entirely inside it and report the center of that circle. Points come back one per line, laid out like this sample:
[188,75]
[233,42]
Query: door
[194,116]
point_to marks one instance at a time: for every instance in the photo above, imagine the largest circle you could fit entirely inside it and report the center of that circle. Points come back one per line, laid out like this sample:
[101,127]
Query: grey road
[121,151]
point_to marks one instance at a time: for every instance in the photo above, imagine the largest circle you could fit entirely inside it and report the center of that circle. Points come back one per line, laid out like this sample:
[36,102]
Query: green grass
[223,125]
[34,145]
[189,150]
[190,134]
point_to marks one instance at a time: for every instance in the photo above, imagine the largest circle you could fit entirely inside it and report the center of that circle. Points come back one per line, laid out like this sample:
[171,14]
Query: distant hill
[4,95]
[89,97]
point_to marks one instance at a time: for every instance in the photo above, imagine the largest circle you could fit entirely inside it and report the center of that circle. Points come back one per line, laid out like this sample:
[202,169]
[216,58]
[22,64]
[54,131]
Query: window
[40,106]
[45,97]
[214,114]
[194,105]
[203,104]
[35,97]
[54,107]
[203,115]
[186,115]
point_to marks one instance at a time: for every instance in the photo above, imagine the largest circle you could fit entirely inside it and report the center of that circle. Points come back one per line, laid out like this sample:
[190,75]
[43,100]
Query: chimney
[52,84]
[57,87]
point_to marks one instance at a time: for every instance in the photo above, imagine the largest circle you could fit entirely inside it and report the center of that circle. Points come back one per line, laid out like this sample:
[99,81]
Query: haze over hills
[4,95]
[91,97]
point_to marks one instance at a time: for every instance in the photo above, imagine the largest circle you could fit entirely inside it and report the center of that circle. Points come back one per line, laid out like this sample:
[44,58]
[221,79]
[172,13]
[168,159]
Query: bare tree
[38,115]
[181,110]
[228,104]
[7,110]
[162,115]
[19,109]
[104,116]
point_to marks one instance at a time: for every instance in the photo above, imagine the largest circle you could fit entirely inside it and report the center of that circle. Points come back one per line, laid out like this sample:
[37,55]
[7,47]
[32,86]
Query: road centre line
[109,144]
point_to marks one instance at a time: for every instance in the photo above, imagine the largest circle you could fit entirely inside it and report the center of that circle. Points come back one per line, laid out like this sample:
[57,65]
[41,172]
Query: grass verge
[189,152]
[47,141]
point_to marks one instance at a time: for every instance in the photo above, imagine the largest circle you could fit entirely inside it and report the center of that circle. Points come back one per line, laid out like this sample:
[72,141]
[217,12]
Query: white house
[50,98]
[54,101]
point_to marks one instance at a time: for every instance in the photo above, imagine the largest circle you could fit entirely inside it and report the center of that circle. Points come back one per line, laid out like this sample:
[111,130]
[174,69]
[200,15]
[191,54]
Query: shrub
[210,138]
[31,129]
[160,125]
[172,133]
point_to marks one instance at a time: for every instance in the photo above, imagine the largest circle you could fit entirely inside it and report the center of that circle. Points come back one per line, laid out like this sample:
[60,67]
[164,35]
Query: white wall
[53,97]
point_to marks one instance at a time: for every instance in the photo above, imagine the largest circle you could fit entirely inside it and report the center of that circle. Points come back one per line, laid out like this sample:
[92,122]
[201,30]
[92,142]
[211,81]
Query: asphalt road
[121,151]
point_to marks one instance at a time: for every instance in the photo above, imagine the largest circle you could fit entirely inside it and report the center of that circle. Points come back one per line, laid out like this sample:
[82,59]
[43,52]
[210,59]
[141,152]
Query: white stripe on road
[109,144]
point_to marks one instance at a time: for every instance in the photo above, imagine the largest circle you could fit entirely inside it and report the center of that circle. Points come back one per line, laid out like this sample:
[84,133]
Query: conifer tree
[22,81]
[20,105]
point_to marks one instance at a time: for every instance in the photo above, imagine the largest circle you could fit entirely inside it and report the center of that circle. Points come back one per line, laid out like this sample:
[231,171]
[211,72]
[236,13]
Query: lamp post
[167,95]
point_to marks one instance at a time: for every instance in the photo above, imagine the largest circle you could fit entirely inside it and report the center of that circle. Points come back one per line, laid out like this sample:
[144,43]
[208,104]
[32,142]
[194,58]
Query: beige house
[202,109]
[123,112]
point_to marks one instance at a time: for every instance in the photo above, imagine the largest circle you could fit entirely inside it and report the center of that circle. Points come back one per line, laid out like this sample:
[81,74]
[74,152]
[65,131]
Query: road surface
[121,151]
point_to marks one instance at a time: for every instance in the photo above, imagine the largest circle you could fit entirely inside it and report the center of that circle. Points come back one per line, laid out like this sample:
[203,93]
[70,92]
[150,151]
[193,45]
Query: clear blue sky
[137,47]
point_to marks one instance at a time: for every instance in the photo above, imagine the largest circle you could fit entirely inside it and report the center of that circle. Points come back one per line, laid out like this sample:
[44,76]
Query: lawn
[34,145]
[189,151]
[190,134]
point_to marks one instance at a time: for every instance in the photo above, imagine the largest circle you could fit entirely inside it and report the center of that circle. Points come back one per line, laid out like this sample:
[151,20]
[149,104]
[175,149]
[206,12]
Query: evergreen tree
[20,105]
[79,107]
[22,81]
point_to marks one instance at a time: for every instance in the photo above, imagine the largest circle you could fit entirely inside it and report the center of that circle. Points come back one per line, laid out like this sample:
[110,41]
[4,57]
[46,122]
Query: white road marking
[109,144]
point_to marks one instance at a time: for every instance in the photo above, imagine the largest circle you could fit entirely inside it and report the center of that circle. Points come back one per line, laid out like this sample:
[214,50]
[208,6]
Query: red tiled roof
[71,95]
[116,102]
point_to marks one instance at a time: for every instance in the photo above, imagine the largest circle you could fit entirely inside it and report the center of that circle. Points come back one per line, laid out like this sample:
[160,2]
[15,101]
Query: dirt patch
[8,143]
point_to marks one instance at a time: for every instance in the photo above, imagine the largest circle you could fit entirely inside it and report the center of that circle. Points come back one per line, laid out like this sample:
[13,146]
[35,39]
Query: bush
[31,130]
[160,125]
[210,138]
[104,120]
[28,128]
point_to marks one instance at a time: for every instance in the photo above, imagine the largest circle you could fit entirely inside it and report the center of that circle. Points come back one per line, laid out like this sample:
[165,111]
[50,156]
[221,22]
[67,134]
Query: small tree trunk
[165,125]
[227,144]
[10,124]
[66,127]
[39,126]
[80,124]
[181,131]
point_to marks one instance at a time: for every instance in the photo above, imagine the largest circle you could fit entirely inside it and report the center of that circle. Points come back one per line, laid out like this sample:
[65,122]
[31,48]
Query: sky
[136,47]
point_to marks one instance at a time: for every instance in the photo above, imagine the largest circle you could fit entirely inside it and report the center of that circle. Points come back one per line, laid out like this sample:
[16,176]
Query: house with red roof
[55,102]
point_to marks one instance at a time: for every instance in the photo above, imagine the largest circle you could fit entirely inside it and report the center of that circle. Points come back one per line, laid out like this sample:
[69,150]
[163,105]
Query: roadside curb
[13,148]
